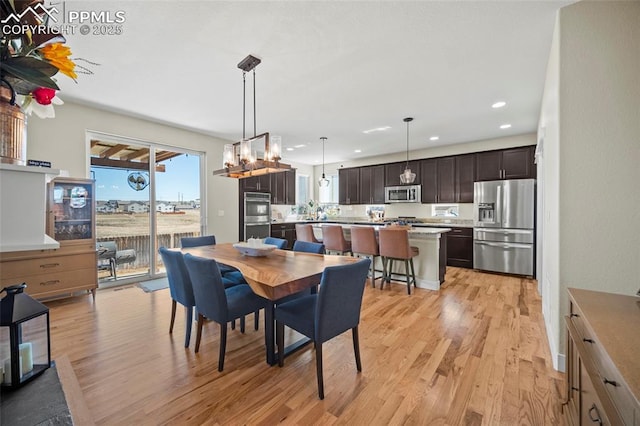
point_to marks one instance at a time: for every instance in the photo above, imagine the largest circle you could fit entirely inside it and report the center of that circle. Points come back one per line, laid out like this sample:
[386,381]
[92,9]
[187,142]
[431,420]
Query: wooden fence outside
[141,245]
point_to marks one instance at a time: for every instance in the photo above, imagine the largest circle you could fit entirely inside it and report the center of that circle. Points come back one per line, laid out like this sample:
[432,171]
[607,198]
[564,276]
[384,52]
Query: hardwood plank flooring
[473,353]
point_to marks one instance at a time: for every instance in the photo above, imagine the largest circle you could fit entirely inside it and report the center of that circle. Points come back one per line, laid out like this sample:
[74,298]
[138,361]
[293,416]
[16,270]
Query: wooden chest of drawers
[603,358]
[49,273]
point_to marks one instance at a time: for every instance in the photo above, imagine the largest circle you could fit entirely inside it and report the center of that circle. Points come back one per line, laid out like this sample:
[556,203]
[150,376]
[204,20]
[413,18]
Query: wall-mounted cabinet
[448,179]
[513,163]
[372,185]
[349,186]
[392,172]
[260,183]
[283,187]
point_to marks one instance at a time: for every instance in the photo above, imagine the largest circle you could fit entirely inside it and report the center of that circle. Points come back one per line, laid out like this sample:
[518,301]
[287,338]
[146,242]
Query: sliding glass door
[148,195]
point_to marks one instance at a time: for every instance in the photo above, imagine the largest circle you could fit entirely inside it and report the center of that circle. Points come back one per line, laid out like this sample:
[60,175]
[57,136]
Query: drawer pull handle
[50,282]
[610,382]
[49,265]
[574,315]
[597,419]
[588,340]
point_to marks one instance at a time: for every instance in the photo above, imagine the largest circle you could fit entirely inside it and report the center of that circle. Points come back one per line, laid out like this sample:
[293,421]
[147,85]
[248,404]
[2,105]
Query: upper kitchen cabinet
[465,176]
[372,185]
[513,163]
[260,183]
[283,187]
[393,171]
[429,180]
[349,186]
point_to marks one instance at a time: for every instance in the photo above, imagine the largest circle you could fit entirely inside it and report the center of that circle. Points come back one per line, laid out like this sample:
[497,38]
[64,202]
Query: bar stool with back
[364,243]
[334,241]
[304,232]
[394,245]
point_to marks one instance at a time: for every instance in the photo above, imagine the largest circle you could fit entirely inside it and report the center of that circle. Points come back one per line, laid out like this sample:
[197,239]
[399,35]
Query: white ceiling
[330,68]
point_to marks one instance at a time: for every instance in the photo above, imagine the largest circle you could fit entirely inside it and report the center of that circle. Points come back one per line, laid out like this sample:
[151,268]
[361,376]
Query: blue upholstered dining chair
[217,303]
[329,313]
[308,247]
[228,272]
[278,242]
[179,287]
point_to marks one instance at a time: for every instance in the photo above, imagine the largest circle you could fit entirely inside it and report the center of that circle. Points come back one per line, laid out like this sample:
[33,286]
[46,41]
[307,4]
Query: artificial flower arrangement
[29,61]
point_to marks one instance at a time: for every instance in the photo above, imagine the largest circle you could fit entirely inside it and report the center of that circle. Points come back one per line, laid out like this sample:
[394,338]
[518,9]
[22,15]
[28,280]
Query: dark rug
[153,285]
[39,402]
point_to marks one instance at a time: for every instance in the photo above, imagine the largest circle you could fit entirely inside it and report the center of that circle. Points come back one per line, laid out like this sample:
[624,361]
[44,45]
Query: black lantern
[25,350]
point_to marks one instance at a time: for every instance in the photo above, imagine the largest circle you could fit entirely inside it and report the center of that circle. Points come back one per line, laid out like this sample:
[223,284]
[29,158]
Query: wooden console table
[603,358]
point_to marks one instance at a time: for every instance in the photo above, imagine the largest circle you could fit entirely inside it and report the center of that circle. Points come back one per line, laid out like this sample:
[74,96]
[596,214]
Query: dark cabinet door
[465,176]
[285,231]
[261,183]
[372,185]
[283,187]
[489,165]
[429,180]
[518,163]
[460,247]
[349,186]
[393,171]
[447,180]
[290,187]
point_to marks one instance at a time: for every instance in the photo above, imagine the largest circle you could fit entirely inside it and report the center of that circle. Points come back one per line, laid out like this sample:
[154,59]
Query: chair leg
[188,320]
[280,342]
[413,272]
[223,345]
[242,324]
[199,332]
[173,315]
[256,320]
[389,271]
[356,347]
[373,271]
[406,273]
[233,324]
[384,271]
[319,370]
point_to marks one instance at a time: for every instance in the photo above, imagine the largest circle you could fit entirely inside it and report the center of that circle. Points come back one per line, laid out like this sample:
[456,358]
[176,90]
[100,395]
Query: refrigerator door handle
[499,205]
[504,245]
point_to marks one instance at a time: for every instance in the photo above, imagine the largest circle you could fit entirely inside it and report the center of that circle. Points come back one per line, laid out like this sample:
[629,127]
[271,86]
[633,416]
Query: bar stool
[394,245]
[364,243]
[333,239]
[304,232]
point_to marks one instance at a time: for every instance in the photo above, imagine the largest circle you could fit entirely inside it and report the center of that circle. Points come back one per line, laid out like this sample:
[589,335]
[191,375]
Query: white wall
[62,142]
[593,195]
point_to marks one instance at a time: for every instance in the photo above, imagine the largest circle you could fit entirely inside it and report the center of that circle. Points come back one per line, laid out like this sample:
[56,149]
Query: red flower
[44,95]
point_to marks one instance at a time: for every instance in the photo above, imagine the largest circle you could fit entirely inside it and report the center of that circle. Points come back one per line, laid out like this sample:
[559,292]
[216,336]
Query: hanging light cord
[323,141]
[254,103]
[407,166]
[244,101]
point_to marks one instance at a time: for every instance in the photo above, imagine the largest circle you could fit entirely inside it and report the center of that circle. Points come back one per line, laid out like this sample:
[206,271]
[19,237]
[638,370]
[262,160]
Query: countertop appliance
[503,219]
[402,194]
[257,215]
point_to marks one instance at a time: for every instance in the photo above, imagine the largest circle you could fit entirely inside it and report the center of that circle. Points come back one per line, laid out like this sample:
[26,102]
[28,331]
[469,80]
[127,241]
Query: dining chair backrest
[203,240]
[394,243]
[308,247]
[304,232]
[278,242]
[340,299]
[210,297]
[333,238]
[363,240]
[179,281]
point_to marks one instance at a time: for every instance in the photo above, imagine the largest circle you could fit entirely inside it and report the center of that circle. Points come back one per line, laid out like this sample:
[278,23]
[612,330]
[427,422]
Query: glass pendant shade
[228,159]
[245,150]
[323,181]
[275,145]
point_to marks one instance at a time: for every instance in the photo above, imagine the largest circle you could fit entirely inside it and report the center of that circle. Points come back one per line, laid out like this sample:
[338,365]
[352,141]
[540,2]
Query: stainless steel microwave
[402,194]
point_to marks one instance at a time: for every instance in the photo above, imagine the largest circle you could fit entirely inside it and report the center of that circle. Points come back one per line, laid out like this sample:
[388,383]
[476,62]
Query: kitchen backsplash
[422,211]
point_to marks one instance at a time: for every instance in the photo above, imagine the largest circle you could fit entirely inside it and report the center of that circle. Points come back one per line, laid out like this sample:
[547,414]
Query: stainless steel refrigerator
[503,233]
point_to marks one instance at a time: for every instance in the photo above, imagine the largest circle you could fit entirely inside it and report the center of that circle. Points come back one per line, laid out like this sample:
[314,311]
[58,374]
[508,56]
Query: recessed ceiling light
[498,104]
[434,138]
[377,129]
[289,149]
[357,150]
[505,126]
[299,146]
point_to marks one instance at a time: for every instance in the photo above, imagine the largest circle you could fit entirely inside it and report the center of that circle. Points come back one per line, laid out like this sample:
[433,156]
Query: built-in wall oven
[257,215]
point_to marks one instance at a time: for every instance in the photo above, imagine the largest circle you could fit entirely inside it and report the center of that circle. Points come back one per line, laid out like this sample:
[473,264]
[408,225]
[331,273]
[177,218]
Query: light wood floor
[473,353]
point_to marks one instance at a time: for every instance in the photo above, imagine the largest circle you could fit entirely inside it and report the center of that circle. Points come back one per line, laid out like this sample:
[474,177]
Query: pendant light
[323,181]
[407,176]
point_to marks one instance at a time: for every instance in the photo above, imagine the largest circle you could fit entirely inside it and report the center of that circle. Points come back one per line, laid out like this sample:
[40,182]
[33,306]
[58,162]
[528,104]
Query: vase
[13,130]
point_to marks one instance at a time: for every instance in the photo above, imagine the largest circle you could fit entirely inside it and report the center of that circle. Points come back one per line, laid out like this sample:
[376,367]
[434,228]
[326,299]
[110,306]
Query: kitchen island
[430,264]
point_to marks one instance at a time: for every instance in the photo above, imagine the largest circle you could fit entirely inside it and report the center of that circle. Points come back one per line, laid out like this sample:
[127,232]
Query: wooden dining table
[278,274]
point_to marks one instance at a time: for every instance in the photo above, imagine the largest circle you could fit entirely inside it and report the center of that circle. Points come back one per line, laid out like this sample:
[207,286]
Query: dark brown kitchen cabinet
[465,176]
[349,186]
[286,231]
[512,163]
[460,247]
[261,183]
[283,187]
[447,180]
[392,172]
[372,185]
[429,180]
